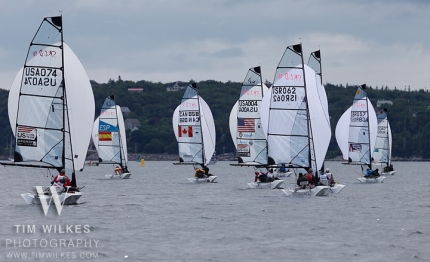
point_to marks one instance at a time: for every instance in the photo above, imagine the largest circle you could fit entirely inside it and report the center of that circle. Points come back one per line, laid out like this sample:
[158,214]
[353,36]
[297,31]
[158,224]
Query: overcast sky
[380,43]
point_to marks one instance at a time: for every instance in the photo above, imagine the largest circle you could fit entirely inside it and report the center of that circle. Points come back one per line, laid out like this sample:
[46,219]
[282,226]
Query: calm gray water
[158,215]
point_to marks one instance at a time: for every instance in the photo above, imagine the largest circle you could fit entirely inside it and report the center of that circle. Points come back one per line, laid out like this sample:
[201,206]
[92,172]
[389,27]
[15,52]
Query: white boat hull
[316,191]
[390,173]
[371,180]
[336,188]
[65,198]
[277,184]
[122,176]
[210,179]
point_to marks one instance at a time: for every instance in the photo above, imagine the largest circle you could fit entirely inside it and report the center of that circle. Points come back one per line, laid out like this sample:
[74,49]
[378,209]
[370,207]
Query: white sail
[382,152]
[357,145]
[109,134]
[245,123]
[233,118]
[318,114]
[284,113]
[194,128]
[51,104]
[318,108]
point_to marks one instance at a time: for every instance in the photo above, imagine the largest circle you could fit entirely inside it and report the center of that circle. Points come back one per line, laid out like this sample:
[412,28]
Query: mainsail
[245,124]
[360,119]
[109,135]
[382,152]
[51,104]
[194,128]
[285,113]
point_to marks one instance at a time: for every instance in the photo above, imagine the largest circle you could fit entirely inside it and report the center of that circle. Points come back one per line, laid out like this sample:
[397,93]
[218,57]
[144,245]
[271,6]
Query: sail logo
[45,53]
[185,131]
[105,136]
[189,104]
[26,136]
[354,147]
[44,201]
[249,92]
[242,148]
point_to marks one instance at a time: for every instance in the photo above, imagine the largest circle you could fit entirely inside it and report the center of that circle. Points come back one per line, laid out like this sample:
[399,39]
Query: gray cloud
[373,42]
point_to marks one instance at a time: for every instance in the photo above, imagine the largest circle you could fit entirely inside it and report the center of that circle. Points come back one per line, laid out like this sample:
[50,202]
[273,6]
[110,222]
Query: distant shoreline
[231,157]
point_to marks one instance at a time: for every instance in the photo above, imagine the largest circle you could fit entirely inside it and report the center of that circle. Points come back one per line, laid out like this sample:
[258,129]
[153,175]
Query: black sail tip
[257,70]
[194,85]
[112,97]
[57,20]
[363,86]
[297,48]
[317,54]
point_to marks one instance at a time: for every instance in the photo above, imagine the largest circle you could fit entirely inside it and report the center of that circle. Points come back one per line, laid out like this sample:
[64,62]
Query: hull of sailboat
[316,191]
[277,184]
[336,188]
[195,180]
[122,176]
[371,180]
[390,173]
[65,198]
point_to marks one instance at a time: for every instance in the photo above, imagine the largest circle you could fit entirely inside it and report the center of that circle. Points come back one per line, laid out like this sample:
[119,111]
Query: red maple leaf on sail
[185,131]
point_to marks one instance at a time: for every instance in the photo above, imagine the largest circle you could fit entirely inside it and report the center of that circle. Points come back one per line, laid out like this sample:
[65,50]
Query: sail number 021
[284,94]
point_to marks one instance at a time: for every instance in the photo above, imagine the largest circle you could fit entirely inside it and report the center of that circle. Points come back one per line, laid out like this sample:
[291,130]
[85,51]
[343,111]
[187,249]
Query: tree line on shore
[408,113]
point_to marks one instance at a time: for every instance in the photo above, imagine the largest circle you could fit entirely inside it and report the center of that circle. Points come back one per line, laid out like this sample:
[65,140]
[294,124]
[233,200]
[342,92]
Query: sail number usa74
[40,76]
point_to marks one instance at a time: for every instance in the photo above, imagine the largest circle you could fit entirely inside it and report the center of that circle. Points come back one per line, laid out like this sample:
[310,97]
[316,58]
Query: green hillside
[409,114]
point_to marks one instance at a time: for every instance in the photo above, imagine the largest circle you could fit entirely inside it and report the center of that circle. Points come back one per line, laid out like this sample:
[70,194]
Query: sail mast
[368,126]
[194,85]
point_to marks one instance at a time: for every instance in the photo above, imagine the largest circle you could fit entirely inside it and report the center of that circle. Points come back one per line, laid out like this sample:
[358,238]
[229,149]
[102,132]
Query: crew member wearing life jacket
[199,173]
[61,181]
[118,170]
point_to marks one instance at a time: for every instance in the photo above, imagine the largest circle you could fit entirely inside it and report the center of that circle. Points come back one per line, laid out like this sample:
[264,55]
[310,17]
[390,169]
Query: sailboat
[246,129]
[194,128]
[110,139]
[51,110]
[382,153]
[285,117]
[358,144]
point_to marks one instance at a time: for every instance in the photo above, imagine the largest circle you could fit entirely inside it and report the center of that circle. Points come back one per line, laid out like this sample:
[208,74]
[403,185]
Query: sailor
[300,179]
[329,176]
[199,173]
[310,176]
[118,170]
[61,181]
[256,176]
[206,170]
[324,180]
[368,173]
